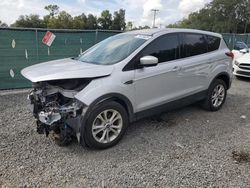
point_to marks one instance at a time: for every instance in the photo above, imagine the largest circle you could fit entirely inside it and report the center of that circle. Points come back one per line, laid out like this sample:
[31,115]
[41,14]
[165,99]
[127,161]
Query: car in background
[239,49]
[240,45]
[241,66]
[241,61]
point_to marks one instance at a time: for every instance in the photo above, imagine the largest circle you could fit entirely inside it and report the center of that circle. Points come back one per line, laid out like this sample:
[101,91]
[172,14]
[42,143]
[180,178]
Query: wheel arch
[119,98]
[225,77]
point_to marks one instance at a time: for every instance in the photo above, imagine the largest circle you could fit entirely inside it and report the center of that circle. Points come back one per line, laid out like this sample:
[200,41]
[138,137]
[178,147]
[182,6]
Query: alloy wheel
[218,95]
[107,126]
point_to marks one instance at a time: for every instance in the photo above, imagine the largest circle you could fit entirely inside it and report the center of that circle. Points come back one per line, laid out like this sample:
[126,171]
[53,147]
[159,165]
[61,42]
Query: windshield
[240,46]
[113,49]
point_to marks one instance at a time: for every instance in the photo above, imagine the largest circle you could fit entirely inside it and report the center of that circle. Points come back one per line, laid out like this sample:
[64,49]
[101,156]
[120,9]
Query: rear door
[195,63]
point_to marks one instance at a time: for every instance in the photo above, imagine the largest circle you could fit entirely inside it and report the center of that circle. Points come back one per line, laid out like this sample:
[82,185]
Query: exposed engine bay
[55,108]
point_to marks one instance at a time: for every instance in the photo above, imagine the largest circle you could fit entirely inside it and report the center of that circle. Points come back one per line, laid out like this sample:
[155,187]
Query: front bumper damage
[56,110]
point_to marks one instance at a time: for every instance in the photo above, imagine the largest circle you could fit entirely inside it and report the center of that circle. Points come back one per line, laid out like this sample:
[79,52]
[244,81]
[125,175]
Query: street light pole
[154,10]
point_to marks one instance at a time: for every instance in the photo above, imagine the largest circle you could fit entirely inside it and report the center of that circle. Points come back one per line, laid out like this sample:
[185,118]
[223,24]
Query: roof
[146,31]
[171,30]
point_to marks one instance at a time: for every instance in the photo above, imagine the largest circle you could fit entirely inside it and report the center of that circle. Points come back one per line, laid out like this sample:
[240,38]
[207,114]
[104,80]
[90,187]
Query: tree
[63,21]
[220,16]
[53,10]
[80,22]
[105,21]
[243,14]
[31,21]
[2,24]
[46,20]
[91,22]
[129,26]
[141,27]
[119,20]
[144,27]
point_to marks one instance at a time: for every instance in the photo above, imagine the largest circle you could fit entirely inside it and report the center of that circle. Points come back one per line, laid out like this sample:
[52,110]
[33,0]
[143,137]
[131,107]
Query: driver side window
[165,48]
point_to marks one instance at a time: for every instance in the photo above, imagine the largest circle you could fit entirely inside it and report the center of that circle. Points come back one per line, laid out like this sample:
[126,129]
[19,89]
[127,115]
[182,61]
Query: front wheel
[216,96]
[106,125]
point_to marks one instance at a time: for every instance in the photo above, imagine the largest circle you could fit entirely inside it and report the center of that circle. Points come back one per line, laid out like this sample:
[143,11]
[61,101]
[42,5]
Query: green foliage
[222,16]
[105,21]
[119,20]
[32,21]
[2,24]
[53,10]
[62,20]
[141,27]
[91,22]
[80,22]
[129,26]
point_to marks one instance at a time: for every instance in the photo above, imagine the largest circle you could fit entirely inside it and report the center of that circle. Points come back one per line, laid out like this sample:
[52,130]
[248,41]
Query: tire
[100,131]
[210,102]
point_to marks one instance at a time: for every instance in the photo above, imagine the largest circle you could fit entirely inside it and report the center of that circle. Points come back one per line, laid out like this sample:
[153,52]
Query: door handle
[129,82]
[176,68]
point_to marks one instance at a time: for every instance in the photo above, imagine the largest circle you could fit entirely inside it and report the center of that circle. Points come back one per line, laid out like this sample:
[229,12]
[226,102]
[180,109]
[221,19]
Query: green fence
[20,48]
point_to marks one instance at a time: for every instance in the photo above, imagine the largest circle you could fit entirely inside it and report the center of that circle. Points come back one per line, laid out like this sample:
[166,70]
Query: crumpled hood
[65,69]
[244,59]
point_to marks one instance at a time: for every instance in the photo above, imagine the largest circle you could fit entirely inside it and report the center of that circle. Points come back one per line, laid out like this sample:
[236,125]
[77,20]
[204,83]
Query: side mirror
[148,61]
[245,50]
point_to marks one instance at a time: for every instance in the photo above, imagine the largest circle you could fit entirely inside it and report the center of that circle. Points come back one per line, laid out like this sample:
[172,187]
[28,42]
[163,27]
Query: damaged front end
[55,108]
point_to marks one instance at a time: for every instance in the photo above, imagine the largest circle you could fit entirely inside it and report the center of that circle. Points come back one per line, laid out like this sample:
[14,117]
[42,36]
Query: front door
[162,83]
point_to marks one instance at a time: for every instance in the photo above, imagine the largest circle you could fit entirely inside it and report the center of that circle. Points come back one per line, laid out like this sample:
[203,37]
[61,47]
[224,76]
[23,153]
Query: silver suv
[126,77]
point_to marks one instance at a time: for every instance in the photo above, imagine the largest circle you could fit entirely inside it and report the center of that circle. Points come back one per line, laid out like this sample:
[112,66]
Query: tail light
[230,54]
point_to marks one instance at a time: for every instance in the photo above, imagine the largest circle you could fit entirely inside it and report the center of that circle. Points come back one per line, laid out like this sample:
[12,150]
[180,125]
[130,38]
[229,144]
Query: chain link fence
[231,39]
[22,47]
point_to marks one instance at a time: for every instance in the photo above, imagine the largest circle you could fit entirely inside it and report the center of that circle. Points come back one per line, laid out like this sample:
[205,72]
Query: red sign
[48,38]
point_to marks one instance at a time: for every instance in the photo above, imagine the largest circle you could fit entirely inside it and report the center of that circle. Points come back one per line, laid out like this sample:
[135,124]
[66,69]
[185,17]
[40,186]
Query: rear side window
[213,43]
[165,48]
[193,44]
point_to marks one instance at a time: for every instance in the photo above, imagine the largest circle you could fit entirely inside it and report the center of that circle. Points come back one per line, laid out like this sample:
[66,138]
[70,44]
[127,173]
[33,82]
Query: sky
[137,11]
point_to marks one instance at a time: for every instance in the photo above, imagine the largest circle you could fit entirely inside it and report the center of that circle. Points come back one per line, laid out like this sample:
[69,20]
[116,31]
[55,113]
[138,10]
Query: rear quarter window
[213,43]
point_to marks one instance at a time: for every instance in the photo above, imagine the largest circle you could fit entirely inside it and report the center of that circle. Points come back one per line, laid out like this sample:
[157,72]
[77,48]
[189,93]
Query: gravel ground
[185,148]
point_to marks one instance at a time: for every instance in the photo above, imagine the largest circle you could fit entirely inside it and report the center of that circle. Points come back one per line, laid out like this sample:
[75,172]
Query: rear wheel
[106,125]
[216,96]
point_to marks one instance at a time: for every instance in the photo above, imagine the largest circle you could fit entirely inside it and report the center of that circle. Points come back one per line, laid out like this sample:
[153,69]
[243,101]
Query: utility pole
[154,10]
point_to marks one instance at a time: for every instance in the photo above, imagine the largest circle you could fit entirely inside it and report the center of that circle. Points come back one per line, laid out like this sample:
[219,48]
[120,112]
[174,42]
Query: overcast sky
[137,11]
